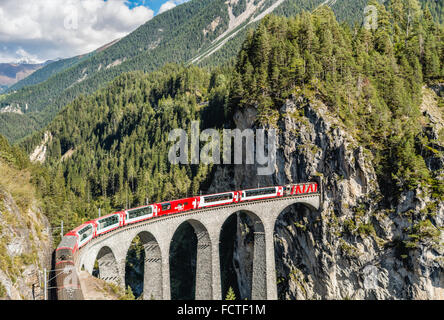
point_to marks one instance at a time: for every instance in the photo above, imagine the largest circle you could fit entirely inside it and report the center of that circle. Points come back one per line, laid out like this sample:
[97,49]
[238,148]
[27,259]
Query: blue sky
[154,5]
[40,30]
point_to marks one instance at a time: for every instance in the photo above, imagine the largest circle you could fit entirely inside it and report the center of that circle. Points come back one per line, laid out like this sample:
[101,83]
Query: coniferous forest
[109,149]
[172,37]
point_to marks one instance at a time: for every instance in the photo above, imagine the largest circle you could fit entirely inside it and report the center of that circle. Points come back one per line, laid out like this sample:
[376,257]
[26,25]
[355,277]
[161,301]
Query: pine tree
[230,294]
[128,294]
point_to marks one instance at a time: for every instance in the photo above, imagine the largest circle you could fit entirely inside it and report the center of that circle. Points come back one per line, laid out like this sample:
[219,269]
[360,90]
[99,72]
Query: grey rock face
[27,242]
[353,248]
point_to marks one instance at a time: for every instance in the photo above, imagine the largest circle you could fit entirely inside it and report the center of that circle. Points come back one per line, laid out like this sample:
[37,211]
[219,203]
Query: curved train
[68,285]
[97,227]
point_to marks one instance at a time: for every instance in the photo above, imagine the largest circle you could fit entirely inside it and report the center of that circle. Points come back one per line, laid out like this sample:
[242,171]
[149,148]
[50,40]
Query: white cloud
[166,6]
[170,4]
[48,29]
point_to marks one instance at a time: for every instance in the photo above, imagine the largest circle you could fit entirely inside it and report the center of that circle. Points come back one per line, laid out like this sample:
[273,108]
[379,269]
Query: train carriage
[97,227]
[83,234]
[217,199]
[177,206]
[302,188]
[140,214]
[67,248]
[67,282]
[108,223]
[261,193]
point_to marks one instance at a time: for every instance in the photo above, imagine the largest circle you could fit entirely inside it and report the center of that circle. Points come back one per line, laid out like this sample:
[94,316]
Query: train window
[85,232]
[260,192]
[218,197]
[166,206]
[106,222]
[132,214]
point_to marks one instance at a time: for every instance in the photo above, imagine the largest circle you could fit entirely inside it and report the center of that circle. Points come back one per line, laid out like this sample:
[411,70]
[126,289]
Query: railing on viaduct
[156,235]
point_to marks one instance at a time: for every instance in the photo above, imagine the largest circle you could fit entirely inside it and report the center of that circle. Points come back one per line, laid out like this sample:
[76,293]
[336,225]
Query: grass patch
[118,291]
[17,183]
[425,232]
[348,249]
[2,291]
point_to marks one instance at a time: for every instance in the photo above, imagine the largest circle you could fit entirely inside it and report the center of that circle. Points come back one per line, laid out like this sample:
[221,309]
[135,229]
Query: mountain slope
[371,88]
[43,74]
[351,107]
[133,106]
[11,73]
[200,31]
[25,239]
[56,67]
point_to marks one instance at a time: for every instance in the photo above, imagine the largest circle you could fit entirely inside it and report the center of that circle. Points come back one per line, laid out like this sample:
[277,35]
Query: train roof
[145,206]
[215,194]
[81,227]
[108,215]
[68,242]
[183,199]
[260,188]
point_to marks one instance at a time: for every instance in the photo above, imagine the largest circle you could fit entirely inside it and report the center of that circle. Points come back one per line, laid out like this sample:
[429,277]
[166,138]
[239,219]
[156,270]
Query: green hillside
[111,147]
[115,142]
[180,35]
[47,72]
[33,184]
[325,60]
[436,8]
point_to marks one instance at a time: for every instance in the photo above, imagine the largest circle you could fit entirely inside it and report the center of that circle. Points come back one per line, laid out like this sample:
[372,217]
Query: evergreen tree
[230,294]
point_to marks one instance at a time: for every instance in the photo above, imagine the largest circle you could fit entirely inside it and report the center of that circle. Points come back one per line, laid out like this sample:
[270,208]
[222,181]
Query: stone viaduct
[111,249]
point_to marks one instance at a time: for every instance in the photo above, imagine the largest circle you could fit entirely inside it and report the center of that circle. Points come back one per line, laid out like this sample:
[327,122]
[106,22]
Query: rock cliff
[25,240]
[362,244]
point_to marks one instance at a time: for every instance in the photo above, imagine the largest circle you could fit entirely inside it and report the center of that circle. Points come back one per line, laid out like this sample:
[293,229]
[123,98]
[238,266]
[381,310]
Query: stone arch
[254,280]
[296,231]
[310,203]
[152,266]
[108,266]
[204,272]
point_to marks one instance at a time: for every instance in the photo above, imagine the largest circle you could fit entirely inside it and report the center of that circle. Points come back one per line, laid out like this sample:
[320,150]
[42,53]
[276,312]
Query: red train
[94,228]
